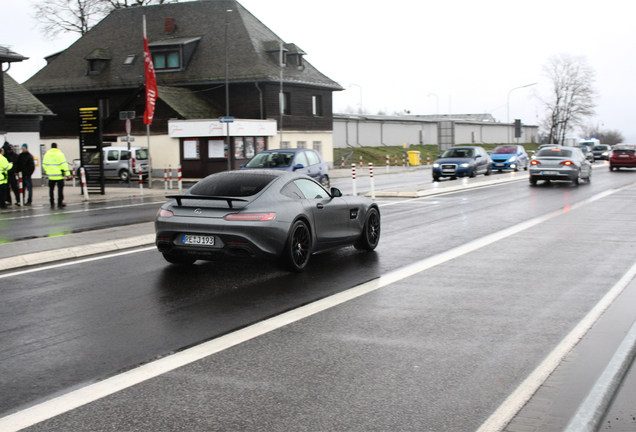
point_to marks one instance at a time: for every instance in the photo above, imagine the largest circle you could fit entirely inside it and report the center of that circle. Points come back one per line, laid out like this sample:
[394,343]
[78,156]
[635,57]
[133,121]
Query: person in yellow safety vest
[56,168]
[5,166]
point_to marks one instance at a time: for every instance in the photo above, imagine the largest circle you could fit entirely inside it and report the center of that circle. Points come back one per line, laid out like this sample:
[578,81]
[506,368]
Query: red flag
[151,82]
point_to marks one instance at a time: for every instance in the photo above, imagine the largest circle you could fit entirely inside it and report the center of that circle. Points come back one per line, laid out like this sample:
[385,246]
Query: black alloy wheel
[298,248]
[370,236]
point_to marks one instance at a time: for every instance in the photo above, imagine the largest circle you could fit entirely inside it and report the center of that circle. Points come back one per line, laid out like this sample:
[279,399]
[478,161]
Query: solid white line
[109,386]
[70,263]
[68,211]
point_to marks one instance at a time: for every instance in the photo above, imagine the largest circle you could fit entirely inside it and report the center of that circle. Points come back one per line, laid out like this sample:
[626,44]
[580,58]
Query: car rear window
[624,148]
[555,152]
[271,160]
[458,153]
[233,184]
[505,150]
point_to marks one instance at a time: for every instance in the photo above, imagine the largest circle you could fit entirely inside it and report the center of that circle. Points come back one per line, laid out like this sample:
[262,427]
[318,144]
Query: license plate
[623,155]
[500,164]
[197,240]
[549,172]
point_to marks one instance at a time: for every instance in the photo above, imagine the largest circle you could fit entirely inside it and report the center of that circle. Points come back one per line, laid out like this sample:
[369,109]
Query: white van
[117,162]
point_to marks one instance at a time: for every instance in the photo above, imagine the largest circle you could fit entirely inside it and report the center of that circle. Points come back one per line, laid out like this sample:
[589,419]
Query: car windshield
[599,148]
[271,160]
[555,152]
[458,153]
[232,184]
[141,154]
[505,150]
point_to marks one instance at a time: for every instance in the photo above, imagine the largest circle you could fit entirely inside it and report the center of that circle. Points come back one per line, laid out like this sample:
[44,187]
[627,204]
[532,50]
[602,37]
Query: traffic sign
[226,119]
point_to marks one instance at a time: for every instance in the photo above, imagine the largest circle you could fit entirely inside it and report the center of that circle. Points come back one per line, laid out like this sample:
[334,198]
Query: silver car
[560,163]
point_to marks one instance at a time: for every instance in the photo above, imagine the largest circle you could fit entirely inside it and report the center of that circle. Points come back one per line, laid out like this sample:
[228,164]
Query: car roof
[292,150]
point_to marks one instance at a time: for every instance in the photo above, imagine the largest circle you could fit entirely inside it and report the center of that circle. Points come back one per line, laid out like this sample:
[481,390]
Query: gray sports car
[264,214]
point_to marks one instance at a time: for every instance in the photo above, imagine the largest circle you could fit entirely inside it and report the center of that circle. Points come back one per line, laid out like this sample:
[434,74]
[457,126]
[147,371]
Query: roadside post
[141,185]
[388,162]
[342,163]
[165,178]
[22,189]
[179,177]
[353,177]
[83,180]
[360,163]
[372,182]
[396,160]
[170,169]
[428,158]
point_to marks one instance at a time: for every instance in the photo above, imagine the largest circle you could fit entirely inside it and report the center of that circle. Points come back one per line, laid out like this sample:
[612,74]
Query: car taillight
[164,213]
[535,162]
[250,217]
[568,163]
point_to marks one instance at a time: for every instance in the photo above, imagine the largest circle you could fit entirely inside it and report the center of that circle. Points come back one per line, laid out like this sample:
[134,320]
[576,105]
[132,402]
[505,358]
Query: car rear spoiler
[229,200]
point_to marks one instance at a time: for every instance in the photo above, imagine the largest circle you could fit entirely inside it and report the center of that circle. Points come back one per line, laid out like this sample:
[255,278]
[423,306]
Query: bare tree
[572,96]
[63,16]
[609,137]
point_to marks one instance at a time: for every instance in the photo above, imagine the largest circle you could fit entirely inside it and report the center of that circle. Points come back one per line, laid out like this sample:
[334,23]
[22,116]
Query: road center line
[109,386]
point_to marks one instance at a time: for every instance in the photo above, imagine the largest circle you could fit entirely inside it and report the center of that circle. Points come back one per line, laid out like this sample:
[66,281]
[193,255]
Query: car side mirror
[478,156]
[243,166]
[299,166]
[335,192]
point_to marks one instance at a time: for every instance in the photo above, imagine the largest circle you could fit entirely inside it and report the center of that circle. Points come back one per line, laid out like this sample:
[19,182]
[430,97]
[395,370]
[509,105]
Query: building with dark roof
[21,113]
[187,41]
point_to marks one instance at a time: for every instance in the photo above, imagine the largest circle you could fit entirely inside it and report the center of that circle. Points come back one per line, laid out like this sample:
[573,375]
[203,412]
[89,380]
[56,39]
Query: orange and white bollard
[361,163]
[170,170]
[179,177]
[372,182]
[83,180]
[22,189]
[388,162]
[353,177]
[342,163]
[396,161]
[165,178]
[428,158]
[141,184]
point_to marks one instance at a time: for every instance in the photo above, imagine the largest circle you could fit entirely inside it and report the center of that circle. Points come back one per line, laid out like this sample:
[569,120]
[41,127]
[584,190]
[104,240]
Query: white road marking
[498,420]
[68,211]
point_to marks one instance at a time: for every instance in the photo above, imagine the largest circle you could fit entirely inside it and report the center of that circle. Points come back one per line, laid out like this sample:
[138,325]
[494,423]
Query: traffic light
[517,128]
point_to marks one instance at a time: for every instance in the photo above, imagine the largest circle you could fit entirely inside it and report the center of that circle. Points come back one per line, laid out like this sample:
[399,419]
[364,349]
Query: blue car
[464,161]
[509,157]
[300,160]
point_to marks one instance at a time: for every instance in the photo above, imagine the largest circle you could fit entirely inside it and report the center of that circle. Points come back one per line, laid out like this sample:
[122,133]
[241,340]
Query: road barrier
[22,189]
[179,177]
[342,163]
[428,158]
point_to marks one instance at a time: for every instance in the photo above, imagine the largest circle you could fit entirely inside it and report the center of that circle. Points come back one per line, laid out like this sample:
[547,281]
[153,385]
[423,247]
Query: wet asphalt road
[438,351]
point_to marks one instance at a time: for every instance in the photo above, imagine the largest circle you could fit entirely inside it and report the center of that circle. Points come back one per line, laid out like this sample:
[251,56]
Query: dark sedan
[464,161]
[270,214]
[560,163]
[601,151]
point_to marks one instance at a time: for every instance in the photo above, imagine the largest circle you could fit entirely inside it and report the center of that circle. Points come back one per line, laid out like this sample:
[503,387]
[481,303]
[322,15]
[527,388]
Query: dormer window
[173,55]
[97,61]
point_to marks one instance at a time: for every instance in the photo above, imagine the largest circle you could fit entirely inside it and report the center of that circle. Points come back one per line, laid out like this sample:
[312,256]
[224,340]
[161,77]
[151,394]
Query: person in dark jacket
[13,182]
[26,165]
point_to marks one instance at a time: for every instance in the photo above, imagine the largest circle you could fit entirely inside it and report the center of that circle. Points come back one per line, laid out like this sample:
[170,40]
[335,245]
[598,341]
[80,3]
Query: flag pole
[151,96]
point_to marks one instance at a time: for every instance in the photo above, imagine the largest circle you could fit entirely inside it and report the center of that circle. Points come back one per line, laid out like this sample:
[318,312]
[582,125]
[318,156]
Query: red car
[623,156]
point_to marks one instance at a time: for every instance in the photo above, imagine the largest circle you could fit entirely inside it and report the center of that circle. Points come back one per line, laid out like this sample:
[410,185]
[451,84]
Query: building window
[166,60]
[285,144]
[285,103]
[316,105]
[318,146]
[130,58]
[301,144]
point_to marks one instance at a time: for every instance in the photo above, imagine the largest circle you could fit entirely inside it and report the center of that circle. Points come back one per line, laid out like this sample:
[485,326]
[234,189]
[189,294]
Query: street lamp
[437,99]
[360,87]
[227,92]
[508,106]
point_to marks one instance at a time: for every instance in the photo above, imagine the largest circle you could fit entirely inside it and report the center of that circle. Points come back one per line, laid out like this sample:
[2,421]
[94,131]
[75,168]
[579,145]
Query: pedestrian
[13,182]
[26,165]
[56,168]
[5,166]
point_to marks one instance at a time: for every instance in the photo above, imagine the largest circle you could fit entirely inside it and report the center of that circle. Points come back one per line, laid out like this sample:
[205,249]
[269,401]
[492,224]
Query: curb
[46,257]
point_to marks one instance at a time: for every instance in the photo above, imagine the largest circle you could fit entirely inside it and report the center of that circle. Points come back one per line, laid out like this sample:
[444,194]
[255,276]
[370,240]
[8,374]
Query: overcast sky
[456,56]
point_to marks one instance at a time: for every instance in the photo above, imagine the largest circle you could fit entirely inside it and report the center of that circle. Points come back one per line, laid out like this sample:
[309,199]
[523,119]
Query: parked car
[622,156]
[510,156]
[270,214]
[560,163]
[303,161]
[117,162]
[462,161]
[601,151]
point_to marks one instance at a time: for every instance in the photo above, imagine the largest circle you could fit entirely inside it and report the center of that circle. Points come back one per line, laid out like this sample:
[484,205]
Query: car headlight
[512,159]
[605,154]
[435,165]
[465,165]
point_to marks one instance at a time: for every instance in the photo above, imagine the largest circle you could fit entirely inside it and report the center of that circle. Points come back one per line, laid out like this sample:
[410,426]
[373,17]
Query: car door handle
[320,206]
